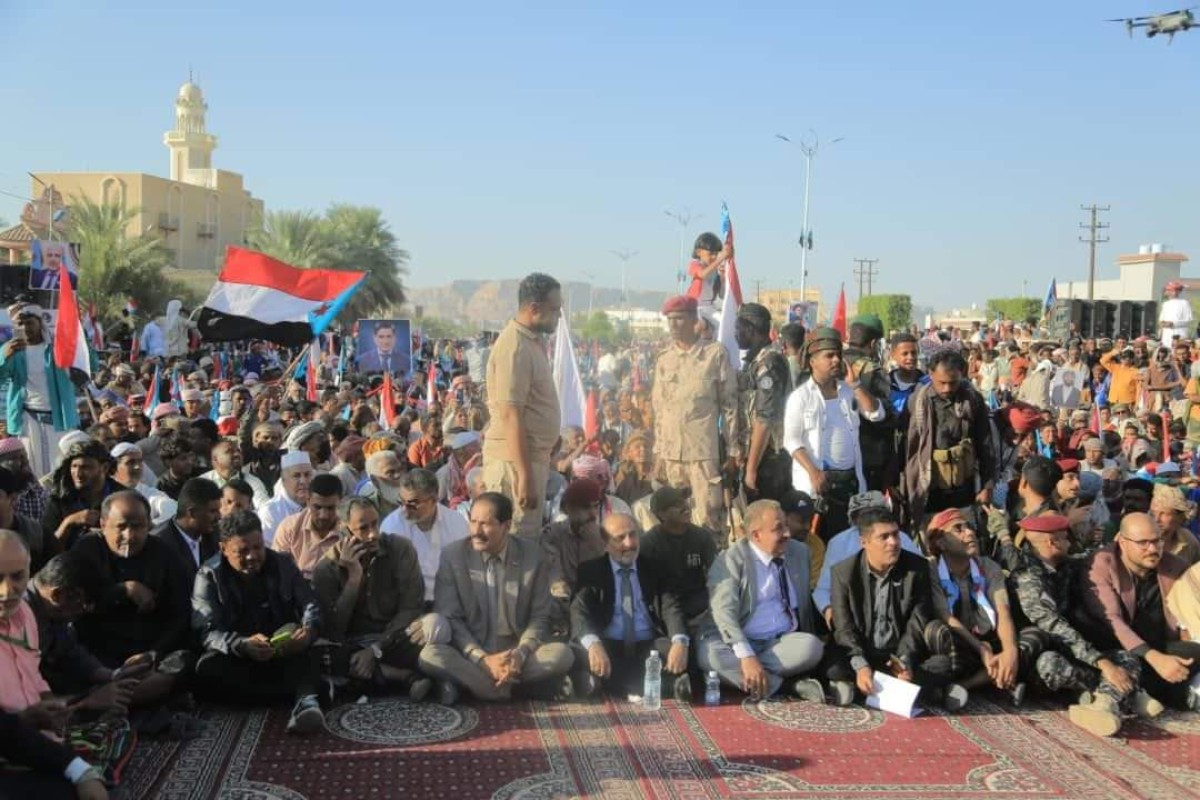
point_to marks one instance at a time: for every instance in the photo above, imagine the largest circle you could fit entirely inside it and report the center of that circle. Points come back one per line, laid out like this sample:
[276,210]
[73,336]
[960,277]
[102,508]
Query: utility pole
[624,255]
[757,291]
[1094,237]
[865,272]
[683,218]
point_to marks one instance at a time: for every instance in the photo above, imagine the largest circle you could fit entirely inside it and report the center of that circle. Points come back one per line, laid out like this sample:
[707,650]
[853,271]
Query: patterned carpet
[770,750]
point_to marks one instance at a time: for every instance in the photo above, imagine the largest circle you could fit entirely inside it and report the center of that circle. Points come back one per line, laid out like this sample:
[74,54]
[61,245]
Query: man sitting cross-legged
[373,601]
[621,611]
[763,630]
[257,619]
[883,618]
[493,589]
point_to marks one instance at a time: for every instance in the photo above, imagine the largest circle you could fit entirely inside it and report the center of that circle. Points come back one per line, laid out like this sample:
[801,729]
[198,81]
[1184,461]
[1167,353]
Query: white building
[1142,277]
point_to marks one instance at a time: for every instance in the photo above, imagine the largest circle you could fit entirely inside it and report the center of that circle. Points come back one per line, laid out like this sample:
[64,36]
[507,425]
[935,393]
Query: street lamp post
[625,256]
[591,290]
[684,218]
[806,239]
[50,197]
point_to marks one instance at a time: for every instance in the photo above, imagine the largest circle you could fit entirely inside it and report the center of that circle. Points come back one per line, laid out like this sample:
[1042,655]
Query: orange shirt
[421,453]
[298,540]
[1125,380]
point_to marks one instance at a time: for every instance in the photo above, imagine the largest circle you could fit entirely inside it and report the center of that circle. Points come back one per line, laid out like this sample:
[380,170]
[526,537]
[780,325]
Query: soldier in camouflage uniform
[1045,590]
[877,440]
[763,386]
[694,388]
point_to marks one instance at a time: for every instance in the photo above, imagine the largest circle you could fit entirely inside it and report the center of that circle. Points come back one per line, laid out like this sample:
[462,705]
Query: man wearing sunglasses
[424,522]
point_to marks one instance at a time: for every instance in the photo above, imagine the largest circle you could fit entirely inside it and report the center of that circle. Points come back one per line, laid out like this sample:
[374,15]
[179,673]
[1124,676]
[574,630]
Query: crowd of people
[949,509]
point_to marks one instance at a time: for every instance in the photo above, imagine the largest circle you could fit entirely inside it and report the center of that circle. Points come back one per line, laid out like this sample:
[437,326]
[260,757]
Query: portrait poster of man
[384,345]
[46,257]
[1065,387]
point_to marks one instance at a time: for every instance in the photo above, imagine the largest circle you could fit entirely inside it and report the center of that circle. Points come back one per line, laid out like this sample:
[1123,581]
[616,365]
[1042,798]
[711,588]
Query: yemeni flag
[70,343]
[152,394]
[431,383]
[314,366]
[387,403]
[839,314]
[256,296]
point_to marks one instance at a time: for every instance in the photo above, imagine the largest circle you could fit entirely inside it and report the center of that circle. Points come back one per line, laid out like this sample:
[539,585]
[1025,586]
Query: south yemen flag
[256,296]
[70,344]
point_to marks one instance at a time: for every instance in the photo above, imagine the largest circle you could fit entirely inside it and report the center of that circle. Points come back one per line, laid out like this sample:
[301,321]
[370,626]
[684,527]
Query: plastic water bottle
[712,689]
[652,690]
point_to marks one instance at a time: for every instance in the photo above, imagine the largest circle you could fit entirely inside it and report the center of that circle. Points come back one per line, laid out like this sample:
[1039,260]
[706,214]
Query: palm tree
[299,238]
[115,266]
[362,240]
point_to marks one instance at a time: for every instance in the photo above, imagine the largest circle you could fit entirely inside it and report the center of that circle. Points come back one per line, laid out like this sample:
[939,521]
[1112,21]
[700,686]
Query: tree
[598,328]
[348,237]
[894,309]
[1017,309]
[114,266]
[362,240]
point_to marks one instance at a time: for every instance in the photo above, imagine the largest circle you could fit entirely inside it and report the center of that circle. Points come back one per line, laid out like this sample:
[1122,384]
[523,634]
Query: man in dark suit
[493,591]
[192,532]
[621,611]
[385,357]
[763,624]
[884,619]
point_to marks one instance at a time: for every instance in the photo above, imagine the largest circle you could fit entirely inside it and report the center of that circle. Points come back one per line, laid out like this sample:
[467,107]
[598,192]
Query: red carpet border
[767,751]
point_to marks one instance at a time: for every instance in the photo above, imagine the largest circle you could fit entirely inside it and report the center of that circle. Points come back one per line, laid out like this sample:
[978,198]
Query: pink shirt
[21,682]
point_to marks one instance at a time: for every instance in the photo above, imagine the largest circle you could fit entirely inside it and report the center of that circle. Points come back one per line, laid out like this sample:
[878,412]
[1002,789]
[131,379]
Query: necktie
[627,627]
[784,595]
[493,596]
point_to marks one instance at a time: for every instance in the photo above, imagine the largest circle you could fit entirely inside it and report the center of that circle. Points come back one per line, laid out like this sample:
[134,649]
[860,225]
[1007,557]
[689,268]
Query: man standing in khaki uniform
[523,405]
[694,386]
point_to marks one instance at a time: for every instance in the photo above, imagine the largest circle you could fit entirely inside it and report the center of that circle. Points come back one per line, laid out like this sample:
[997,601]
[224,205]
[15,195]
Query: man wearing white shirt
[820,430]
[1175,317]
[129,471]
[428,525]
[227,465]
[291,493]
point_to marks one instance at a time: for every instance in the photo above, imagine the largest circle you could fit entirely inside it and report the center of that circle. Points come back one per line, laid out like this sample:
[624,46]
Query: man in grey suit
[493,591]
[763,621]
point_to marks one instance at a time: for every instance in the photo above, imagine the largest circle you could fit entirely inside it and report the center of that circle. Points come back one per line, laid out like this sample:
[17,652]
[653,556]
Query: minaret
[191,147]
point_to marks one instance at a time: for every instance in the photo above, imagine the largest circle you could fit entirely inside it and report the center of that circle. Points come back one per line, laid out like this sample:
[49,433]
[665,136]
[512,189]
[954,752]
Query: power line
[1094,237]
[865,272]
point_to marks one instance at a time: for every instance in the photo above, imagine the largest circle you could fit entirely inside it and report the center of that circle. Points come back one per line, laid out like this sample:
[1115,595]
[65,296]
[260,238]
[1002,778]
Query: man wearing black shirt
[141,611]
[682,553]
[257,618]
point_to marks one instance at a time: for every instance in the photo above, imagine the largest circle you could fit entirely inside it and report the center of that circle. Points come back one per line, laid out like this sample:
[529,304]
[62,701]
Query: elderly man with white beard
[382,488]
[291,493]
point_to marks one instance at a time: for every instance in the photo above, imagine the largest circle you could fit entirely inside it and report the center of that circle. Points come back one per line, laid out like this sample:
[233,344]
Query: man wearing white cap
[193,404]
[41,397]
[291,493]
[452,477]
[129,470]
[1175,316]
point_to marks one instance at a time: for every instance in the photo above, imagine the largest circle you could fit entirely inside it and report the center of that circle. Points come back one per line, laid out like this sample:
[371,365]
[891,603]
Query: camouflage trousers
[1056,670]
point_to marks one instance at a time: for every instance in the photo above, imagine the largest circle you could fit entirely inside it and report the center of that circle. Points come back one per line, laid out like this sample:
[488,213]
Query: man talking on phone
[40,396]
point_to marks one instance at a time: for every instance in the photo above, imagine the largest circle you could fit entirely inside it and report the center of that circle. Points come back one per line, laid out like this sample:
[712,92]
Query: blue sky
[503,138]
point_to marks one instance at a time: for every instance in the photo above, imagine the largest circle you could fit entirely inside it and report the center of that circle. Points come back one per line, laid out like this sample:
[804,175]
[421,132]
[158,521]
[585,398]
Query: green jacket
[15,372]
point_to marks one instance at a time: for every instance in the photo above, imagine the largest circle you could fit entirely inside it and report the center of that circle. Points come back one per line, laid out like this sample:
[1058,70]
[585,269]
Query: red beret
[680,304]
[1023,418]
[1068,465]
[582,492]
[1045,523]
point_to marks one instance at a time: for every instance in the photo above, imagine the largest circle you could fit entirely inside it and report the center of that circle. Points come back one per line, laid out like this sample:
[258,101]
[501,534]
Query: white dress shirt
[804,423]
[447,529]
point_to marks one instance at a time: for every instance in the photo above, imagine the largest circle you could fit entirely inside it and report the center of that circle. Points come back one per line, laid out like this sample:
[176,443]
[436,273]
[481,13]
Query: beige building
[198,211]
[778,301]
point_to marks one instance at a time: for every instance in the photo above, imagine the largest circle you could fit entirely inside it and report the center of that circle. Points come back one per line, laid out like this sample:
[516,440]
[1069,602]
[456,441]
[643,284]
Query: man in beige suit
[493,590]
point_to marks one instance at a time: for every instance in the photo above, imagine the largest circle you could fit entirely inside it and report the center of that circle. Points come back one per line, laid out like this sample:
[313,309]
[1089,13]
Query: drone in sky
[1170,23]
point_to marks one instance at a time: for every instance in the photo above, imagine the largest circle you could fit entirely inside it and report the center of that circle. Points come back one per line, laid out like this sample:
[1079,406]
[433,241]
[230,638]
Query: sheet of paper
[894,696]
